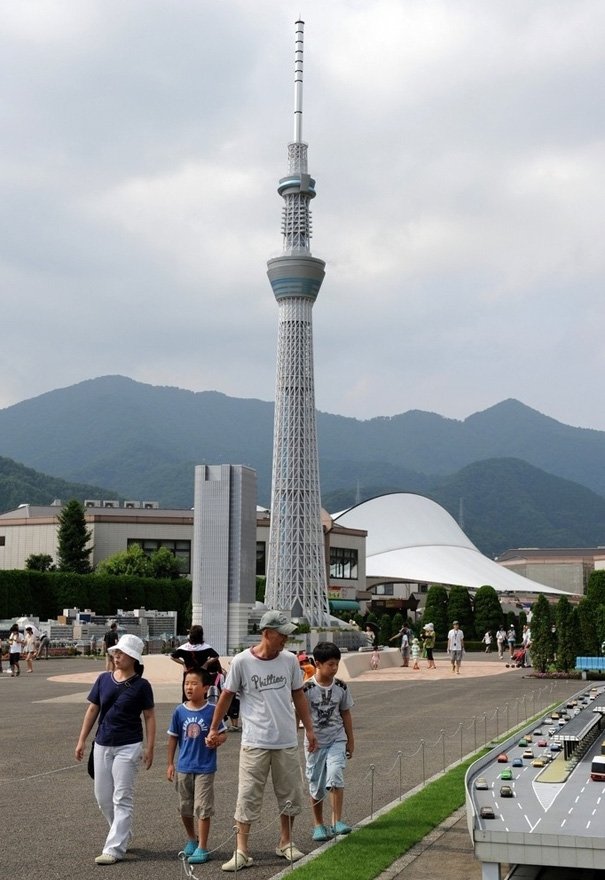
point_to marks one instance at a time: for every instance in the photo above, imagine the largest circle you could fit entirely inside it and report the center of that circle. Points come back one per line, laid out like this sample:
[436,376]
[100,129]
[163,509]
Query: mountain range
[516,470]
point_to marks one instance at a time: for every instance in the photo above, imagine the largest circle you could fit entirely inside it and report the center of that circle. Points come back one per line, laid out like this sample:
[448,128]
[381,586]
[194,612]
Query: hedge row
[46,594]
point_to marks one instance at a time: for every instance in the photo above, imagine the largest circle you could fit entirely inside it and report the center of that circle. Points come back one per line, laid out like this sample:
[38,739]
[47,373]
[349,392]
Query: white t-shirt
[265,690]
[455,637]
[326,705]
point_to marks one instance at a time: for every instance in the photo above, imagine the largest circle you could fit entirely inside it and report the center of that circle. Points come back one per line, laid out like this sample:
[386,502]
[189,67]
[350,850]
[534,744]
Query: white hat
[277,620]
[129,644]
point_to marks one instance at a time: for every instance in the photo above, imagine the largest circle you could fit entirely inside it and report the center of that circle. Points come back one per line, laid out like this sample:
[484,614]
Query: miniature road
[51,827]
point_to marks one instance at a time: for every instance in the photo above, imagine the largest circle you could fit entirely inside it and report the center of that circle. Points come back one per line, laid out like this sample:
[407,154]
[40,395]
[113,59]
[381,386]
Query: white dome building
[413,538]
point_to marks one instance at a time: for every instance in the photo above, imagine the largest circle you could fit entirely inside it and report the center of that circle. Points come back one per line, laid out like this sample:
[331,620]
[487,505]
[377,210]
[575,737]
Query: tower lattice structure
[296,569]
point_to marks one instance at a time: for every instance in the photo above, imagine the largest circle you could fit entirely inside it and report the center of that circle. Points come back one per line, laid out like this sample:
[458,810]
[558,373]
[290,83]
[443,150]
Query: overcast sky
[459,153]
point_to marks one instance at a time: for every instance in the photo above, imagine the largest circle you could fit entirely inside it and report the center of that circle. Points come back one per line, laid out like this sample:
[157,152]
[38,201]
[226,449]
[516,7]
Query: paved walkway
[52,828]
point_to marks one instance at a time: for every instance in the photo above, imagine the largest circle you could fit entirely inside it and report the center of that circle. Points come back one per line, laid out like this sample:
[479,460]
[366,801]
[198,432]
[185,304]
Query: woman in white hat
[118,699]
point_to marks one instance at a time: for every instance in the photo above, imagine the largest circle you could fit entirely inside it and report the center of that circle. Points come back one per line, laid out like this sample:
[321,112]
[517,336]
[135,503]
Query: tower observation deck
[296,569]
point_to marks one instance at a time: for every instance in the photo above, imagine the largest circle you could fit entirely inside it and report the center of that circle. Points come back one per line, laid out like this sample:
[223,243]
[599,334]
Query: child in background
[196,762]
[375,659]
[415,653]
[330,705]
[29,648]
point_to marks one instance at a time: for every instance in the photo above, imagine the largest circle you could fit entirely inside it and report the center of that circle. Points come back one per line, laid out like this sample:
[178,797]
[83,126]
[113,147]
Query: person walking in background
[455,646]
[415,649]
[43,646]
[428,643]
[269,683]
[196,764]
[29,648]
[375,659]
[118,699]
[526,641]
[194,653]
[404,647]
[511,638]
[15,643]
[487,641]
[110,639]
[501,641]
[330,702]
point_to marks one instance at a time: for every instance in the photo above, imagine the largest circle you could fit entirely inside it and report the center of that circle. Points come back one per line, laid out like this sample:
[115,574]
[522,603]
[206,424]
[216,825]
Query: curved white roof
[412,537]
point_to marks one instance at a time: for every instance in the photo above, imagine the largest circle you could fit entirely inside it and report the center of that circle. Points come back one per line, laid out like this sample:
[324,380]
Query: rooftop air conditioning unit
[132,505]
[92,502]
[151,505]
[111,503]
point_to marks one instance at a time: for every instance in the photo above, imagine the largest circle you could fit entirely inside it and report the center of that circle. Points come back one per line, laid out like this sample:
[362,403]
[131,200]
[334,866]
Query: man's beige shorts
[254,767]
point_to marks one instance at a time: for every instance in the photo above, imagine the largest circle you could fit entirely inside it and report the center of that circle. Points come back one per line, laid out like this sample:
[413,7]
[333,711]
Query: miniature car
[537,762]
[555,716]
[487,813]
[522,743]
[555,747]
[502,758]
[538,731]
[552,731]
[529,737]
[506,774]
[506,791]
[546,757]
[562,722]
[528,753]
[542,742]
[517,762]
[481,783]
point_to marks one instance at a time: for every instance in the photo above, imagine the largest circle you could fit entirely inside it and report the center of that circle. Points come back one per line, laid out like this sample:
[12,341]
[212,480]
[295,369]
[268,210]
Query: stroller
[518,657]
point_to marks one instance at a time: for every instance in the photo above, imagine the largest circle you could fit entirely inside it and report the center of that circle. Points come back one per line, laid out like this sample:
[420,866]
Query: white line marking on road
[594,811]
[588,824]
[563,822]
[577,799]
[570,811]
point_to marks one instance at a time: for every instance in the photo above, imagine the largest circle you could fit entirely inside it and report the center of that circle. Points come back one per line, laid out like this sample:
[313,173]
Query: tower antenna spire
[298,80]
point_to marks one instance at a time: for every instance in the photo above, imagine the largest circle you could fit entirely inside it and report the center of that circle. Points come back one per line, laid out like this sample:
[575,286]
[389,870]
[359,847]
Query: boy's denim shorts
[325,769]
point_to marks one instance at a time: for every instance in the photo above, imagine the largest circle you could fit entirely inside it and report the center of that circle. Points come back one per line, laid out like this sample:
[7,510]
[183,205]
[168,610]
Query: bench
[588,664]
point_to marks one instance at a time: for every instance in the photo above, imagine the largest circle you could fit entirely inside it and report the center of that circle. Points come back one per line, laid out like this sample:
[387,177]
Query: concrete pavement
[408,725]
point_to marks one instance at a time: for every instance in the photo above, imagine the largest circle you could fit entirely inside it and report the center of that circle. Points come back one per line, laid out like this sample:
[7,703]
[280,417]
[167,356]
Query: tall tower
[296,570]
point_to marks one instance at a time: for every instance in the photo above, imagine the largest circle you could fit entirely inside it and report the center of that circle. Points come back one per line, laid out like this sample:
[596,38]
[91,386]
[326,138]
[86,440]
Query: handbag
[91,761]
[90,767]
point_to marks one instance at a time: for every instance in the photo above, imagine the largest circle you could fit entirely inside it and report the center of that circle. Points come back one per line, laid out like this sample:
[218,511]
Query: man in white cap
[269,684]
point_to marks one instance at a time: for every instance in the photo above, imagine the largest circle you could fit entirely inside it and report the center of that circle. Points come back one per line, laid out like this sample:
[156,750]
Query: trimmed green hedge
[45,594]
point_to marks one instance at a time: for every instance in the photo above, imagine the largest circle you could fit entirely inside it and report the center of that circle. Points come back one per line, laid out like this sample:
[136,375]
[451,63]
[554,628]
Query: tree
[541,639]
[397,622]
[488,611]
[435,610]
[385,631]
[73,554]
[132,561]
[588,645]
[566,635]
[164,564]
[460,608]
[39,562]
[595,589]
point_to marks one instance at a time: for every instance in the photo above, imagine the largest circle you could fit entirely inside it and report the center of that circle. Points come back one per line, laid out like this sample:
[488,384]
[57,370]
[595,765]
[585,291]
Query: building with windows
[33,529]
[564,568]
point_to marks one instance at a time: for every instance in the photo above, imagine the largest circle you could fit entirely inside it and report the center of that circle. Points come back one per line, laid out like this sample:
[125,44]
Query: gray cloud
[458,150]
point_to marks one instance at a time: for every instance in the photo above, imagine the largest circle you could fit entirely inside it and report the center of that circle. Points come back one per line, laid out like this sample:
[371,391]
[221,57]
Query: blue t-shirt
[120,718]
[191,727]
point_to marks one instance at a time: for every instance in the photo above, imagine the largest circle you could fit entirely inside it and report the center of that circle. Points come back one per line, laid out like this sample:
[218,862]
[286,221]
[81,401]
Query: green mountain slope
[22,485]
[143,441]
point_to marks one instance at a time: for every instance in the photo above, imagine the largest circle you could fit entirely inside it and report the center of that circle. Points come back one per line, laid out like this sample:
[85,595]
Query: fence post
[443,747]
[372,768]
[399,757]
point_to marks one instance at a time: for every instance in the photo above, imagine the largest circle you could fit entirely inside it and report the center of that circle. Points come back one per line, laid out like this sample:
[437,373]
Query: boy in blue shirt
[330,704]
[196,764]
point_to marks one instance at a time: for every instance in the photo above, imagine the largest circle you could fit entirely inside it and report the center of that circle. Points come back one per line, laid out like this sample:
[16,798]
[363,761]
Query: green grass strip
[376,846]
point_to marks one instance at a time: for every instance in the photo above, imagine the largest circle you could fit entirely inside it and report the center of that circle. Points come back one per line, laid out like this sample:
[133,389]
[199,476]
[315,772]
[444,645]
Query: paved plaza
[408,725]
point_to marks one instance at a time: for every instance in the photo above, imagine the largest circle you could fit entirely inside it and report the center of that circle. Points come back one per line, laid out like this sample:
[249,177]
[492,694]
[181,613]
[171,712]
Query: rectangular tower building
[224,553]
